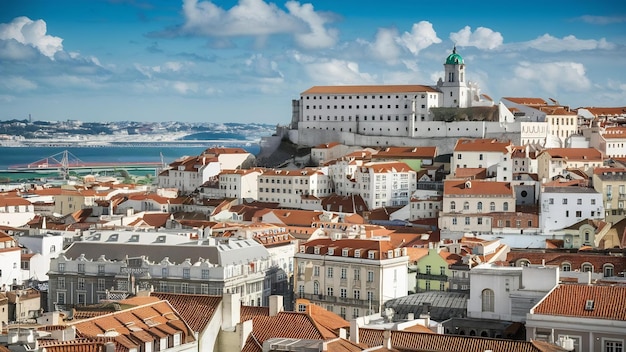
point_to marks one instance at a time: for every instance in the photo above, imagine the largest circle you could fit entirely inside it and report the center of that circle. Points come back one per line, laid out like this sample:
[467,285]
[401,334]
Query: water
[25,155]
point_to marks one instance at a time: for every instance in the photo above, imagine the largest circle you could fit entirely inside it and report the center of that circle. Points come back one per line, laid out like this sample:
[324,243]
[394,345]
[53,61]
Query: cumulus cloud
[602,20]
[481,38]
[422,36]
[554,76]
[256,18]
[384,46]
[32,33]
[552,44]
[319,36]
[341,72]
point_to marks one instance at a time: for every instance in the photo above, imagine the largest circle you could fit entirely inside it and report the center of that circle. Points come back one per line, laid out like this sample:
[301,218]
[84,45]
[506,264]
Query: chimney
[387,339]
[231,311]
[354,330]
[276,305]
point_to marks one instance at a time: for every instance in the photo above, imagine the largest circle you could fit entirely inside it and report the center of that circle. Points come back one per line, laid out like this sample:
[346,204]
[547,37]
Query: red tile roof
[614,133]
[477,187]
[196,310]
[481,145]
[407,153]
[527,101]
[571,300]
[386,89]
[589,154]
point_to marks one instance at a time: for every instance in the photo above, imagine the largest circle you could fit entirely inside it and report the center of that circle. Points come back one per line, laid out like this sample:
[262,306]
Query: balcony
[339,300]
[622,196]
[421,276]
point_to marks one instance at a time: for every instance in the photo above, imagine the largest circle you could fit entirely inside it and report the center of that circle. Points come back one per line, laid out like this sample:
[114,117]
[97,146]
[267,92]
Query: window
[566,267]
[505,206]
[81,268]
[480,206]
[329,272]
[100,268]
[370,276]
[357,274]
[453,221]
[316,271]
[487,300]
[343,293]
[370,296]
[452,205]
[60,298]
[427,285]
[61,267]
[492,206]
[608,270]
[316,288]
[61,283]
[551,201]
[300,290]
[428,269]
[613,346]
[442,270]
[184,288]
[164,272]
[586,267]
[329,291]
[101,285]
[81,283]
[579,213]
[479,221]
[579,201]
[467,220]
[357,294]
[466,206]
[564,200]
[205,274]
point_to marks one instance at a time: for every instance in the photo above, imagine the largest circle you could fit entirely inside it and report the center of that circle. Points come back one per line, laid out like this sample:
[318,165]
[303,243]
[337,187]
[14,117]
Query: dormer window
[389,254]
[344,252]
[589,304]
[371,255]
[316,250]
[302,249]
[357,253]
[331,251]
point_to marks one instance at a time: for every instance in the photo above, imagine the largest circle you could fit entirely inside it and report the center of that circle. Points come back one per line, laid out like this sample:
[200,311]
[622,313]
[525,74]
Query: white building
[240,183]
[555,161]
[343,170]
[490,154]
[291,188]
[474,206]
[383,184]
[564,206]
[46,245]
[190,172]
[425,204]
[15,211]
[351,277]
[10,259]
[508,293]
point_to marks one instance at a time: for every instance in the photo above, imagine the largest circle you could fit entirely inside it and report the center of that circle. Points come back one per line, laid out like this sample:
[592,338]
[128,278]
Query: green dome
[454,58]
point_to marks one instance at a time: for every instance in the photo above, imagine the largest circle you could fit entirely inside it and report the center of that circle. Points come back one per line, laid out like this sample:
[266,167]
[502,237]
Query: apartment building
[567,205]
[383,184]
[240,183]
[110,261]
[15,211]
[477,206]
[491,154]
[351,277]
[554,161]
[611,184]
[290,188]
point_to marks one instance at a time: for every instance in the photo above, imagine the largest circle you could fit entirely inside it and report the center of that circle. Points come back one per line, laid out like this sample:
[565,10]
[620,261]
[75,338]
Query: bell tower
[453,85]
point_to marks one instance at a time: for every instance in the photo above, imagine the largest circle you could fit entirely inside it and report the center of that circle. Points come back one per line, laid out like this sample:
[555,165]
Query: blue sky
[243,61]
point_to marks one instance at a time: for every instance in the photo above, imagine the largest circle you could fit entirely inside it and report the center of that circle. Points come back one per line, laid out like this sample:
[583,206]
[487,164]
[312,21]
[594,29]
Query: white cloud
[552,44]
[422,36]
[17,84]
[32,33]
[319,36]
[555,76]
[262,66]
[602,19]
[384,46]
[259,19]
[174,66]
[333,71]
[481,38]
[185,87]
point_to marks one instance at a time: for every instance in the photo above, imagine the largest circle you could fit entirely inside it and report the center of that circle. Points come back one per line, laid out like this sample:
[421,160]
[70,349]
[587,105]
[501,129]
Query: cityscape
[419,215]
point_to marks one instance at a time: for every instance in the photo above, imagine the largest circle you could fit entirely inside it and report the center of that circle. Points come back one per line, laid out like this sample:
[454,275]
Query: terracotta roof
[249,312]
[470,172]
[407,153]
[477,187]
[481,145]
[571,300]
[7,201]
[614,132]
[590,154]
[289,325]
[196,310]
[386,89]
[576,260]
[378,248]
[606,111]
[415,341]
[527,101]
[387,167]
[608,170]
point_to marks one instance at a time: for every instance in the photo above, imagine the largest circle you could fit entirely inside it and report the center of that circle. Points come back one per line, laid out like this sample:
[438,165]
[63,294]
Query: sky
[245,61]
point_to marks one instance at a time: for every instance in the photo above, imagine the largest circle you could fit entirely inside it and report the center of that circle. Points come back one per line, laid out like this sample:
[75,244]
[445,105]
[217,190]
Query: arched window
[316,288]
[492,206]
[53,248]
[480,206]
[608,270]
[523,262]
[466,206]
[505,206]
[586,267]
[566,266]
[488,299]
[453,205]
